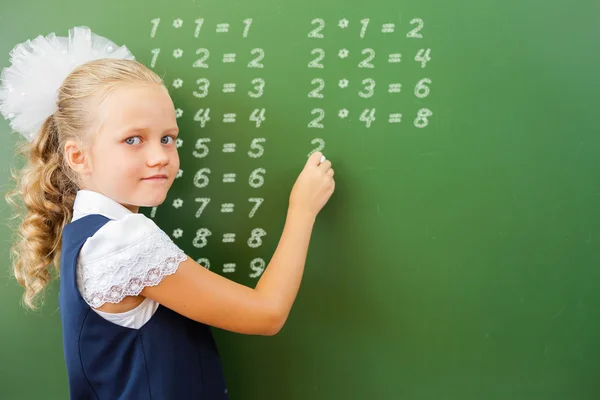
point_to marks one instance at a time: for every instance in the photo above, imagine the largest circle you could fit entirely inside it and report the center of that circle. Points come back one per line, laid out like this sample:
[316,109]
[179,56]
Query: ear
[76,157]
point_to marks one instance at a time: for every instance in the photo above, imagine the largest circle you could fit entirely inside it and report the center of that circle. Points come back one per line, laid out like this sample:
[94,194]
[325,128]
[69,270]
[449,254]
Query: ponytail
[47,193]
[46,187]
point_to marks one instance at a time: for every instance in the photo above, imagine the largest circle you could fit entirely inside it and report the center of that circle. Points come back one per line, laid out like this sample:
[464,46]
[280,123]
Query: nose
[157,155]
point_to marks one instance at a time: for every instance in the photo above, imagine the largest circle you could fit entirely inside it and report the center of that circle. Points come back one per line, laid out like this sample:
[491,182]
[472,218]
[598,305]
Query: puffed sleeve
[123,257]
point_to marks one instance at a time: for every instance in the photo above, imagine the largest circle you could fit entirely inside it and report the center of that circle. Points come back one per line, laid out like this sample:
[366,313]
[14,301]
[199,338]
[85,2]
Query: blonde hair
[46,185]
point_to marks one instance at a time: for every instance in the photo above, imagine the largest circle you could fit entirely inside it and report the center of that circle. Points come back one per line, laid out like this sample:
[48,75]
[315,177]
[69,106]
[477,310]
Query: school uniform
[150,352]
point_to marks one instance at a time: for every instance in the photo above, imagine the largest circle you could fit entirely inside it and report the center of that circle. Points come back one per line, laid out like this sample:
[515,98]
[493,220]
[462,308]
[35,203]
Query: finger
[325,165]
[330,172]
[315,158]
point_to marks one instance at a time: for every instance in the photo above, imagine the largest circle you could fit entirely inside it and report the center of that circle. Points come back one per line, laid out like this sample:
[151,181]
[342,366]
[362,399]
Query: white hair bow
[29,87]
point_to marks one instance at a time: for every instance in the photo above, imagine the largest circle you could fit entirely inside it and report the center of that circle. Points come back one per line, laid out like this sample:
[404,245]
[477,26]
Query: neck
[133,209]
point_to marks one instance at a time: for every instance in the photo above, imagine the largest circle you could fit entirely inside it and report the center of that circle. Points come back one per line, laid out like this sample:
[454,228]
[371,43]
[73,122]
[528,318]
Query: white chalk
[322,159]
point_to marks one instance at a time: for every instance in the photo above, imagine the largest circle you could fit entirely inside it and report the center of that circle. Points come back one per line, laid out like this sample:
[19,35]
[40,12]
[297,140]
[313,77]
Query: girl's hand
[314,186]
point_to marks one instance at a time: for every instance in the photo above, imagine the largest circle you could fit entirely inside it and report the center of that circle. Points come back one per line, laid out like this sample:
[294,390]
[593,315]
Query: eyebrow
[136,129]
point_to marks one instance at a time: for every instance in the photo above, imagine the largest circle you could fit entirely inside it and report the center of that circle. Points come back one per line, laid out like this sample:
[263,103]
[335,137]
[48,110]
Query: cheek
[176,160]
[173,160]
[126,163]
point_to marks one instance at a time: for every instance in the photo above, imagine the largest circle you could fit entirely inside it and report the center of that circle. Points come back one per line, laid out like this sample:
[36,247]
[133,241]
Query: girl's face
[133,159]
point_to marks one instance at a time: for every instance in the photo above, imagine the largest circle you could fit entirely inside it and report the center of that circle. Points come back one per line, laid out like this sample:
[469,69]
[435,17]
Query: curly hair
[46,186]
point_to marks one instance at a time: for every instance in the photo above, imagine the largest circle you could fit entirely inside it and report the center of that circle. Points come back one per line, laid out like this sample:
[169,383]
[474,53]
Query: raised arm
[207,297]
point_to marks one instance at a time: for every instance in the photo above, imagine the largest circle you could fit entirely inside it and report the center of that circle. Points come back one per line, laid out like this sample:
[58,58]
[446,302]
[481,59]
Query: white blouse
[127,254]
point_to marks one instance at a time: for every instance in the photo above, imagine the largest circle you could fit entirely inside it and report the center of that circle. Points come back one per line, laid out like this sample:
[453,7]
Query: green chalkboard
[457,258]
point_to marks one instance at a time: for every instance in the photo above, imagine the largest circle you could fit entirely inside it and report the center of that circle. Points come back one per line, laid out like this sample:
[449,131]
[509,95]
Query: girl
[136,311]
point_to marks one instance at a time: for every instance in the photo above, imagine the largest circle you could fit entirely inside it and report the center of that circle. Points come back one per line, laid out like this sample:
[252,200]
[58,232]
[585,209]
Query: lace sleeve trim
[127,273]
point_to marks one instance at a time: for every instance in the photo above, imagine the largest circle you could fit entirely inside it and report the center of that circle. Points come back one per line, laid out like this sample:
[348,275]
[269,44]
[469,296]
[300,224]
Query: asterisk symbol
[177,203]
[177,83]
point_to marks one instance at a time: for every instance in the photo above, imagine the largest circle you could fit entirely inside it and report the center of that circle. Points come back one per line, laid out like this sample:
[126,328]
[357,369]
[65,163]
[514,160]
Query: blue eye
[167,142]
[132,139]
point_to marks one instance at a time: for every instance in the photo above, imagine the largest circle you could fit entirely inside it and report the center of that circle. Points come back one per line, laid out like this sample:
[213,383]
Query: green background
[454,261]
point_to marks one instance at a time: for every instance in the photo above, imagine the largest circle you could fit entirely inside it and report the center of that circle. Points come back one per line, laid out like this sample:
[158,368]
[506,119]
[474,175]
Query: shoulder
[123,257]
[75,233]
[117,235]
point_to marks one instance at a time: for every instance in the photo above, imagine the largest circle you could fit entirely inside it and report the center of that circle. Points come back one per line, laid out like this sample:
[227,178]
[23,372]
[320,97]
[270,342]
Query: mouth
[155,178]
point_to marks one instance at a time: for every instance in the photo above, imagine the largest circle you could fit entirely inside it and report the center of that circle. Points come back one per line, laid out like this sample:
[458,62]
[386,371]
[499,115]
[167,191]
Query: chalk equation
[366,88]
[196,61]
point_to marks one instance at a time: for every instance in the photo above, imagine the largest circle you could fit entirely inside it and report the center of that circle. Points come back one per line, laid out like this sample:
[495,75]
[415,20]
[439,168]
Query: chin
[155,202]
[152,200]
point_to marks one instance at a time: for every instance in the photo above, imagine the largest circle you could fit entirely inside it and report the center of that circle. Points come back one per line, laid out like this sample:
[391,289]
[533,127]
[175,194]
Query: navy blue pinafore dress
[170,358]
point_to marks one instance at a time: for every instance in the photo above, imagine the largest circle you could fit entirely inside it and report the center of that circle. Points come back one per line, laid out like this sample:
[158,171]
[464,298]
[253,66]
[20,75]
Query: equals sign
[229,267]
[222,28]
[229,57]
[395,58]
[229,238]
[388,28]
[395,118]
[229,118]
[229,88]
[227,207]
[229,148]
[228,178]
[394,88]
